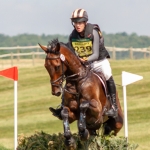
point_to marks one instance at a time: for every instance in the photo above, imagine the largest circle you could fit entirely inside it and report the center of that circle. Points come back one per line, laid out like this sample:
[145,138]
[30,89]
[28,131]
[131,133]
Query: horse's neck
[74,65]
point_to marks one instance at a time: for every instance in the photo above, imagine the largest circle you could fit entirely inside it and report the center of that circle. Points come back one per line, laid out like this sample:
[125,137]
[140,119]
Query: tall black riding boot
[112,91]
[57,112]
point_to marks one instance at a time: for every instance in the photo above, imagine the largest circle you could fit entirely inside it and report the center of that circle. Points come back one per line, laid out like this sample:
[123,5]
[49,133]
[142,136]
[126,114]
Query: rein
[74,77]
[77,78]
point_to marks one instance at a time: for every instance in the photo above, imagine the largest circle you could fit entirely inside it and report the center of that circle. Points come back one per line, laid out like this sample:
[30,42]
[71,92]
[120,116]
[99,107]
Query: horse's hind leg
[114,124]
[83,132]
[70,142]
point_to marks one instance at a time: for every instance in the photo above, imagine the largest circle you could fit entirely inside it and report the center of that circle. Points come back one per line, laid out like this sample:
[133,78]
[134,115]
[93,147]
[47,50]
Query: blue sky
[53,16]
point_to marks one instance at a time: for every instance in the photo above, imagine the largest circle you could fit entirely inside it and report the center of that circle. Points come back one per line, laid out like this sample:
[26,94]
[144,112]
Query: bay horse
[84,96]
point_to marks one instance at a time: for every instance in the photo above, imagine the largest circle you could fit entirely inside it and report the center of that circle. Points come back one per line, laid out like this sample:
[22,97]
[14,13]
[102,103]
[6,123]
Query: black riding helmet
[79,15]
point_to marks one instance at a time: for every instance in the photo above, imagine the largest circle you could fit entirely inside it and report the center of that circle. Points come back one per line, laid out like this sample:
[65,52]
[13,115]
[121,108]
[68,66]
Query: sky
[53,16]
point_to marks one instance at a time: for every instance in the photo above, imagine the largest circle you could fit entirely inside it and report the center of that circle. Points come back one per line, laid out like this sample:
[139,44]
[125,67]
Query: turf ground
[34,99]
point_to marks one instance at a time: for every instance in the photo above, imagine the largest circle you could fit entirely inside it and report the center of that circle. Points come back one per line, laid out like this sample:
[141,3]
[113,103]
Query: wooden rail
[11,56]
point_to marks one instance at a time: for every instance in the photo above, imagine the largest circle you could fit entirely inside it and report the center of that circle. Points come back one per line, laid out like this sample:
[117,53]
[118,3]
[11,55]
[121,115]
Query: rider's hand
[83,59]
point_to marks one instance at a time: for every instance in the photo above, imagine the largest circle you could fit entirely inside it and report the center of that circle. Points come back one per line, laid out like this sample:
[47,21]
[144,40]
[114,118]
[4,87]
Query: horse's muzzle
[56,93]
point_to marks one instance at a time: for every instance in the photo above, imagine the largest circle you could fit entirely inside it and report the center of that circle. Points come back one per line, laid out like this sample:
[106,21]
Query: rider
[88,43]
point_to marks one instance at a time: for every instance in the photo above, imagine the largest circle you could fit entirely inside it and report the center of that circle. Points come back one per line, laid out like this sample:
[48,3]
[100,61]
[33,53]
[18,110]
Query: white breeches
[102,66]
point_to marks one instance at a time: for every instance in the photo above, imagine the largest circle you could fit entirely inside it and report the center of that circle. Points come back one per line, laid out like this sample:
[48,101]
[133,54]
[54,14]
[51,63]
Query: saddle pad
[104,85]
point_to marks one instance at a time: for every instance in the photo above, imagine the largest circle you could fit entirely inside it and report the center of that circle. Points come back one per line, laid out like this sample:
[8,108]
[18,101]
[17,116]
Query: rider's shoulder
[97,28]
[91,27]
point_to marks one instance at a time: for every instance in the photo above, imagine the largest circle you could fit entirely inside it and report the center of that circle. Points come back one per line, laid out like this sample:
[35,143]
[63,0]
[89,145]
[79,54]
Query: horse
[84,94]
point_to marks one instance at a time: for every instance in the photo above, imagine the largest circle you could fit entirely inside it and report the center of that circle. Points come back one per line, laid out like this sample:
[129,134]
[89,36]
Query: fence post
[145,55]
[2,64]
[114,53]
[38,56]
[148,49]
[12,59]
[33,58]
[18,57]
[131,53]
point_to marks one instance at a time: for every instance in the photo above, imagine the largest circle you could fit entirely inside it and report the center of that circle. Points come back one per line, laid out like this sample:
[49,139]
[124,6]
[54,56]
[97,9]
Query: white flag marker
[127,78]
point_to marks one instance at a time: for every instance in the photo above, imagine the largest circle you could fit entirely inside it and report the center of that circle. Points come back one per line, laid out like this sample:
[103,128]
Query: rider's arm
[95,47]
[70,45]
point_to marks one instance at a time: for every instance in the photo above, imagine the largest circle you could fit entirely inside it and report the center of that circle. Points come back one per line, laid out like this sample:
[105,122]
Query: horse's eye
[57,68]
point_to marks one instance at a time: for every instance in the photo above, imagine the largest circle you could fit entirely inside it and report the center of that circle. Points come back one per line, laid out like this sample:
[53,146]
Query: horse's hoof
[106,129]
[93,132]
[70,143]
[84,135]
[67,135]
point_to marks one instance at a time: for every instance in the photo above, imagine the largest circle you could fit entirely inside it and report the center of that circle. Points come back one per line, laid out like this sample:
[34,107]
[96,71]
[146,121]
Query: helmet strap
[72,24]
[82,33]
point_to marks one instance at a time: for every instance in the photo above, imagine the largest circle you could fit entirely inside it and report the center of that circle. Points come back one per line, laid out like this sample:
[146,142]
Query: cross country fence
[33,55]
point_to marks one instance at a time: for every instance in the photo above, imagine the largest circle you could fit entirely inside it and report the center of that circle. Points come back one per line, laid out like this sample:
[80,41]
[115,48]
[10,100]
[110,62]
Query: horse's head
[54,65]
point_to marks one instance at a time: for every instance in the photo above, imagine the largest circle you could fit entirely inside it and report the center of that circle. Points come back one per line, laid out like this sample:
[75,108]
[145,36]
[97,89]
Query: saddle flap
[103,81]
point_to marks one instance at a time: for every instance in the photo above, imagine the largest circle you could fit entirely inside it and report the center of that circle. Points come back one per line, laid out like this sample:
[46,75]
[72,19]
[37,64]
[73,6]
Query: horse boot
[113,112]
[56,112]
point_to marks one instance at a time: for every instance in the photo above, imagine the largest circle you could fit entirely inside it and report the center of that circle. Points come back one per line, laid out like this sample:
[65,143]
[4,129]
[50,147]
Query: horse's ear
[57,47]
[43,47]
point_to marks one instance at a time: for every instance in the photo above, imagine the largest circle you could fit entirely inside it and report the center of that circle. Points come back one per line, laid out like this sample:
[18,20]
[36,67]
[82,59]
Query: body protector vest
[83,45]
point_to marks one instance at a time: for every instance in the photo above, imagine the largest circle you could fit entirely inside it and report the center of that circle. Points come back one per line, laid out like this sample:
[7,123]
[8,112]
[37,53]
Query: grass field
[34,99]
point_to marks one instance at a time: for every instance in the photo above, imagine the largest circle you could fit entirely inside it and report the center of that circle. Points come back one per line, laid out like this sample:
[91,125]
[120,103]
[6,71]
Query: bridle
[62,77]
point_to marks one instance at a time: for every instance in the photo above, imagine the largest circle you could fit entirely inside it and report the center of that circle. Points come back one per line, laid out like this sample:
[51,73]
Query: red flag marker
[11,73]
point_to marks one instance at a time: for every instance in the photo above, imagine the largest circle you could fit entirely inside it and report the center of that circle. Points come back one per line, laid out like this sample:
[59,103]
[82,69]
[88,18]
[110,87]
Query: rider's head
[79,19]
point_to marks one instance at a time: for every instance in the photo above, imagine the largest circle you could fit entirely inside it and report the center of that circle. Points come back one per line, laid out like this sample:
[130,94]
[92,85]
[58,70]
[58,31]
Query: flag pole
[12,73]
[15,115]
[125,113]
[127,78]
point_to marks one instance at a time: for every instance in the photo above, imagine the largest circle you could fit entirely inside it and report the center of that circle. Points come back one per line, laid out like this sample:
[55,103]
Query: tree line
[111,40]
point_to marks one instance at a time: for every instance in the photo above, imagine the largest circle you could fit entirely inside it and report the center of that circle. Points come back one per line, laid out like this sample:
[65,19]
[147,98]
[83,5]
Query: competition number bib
[83,47]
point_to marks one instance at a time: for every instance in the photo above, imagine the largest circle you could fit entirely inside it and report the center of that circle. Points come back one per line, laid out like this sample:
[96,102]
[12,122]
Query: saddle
[103,81]
[108,103]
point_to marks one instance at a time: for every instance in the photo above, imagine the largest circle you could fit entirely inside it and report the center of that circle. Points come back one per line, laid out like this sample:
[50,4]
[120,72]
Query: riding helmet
[79,15]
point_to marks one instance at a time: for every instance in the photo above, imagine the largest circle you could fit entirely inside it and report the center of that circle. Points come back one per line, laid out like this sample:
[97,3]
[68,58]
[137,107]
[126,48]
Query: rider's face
[79,26]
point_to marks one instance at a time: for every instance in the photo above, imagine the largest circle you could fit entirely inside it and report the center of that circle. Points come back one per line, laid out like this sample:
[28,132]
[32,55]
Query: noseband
[62,77]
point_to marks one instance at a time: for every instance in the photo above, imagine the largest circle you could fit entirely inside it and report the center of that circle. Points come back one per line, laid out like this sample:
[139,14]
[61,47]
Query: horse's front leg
[69,141]
[83,132]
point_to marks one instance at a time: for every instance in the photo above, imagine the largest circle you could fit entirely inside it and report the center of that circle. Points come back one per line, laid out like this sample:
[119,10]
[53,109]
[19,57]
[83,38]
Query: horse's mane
[53,43]
[51,46]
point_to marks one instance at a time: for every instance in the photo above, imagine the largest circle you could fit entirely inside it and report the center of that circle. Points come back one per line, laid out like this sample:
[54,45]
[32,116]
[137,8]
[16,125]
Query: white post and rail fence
[14,55]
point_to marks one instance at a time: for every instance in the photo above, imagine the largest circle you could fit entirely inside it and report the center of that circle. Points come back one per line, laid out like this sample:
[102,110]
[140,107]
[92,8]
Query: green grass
[34,99]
